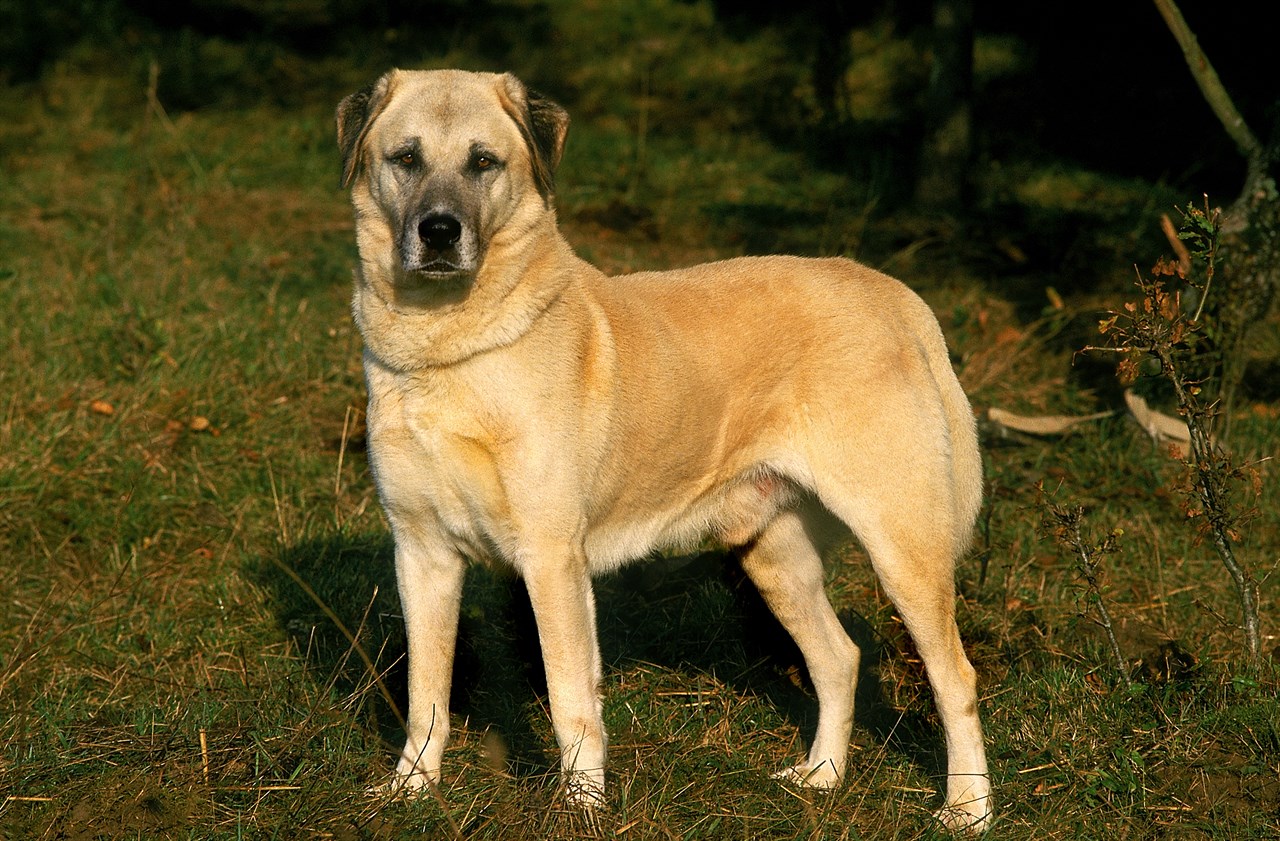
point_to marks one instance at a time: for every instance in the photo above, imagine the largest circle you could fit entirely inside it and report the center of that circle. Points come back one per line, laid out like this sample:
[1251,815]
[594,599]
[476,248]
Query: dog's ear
[544,125]
[355,114]
[549,124]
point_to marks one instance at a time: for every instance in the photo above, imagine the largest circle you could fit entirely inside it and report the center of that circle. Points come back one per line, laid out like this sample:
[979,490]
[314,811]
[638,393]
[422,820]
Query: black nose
[439,231]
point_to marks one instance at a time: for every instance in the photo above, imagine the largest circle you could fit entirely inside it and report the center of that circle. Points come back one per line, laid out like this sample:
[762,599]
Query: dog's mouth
[435,269]
[432,284]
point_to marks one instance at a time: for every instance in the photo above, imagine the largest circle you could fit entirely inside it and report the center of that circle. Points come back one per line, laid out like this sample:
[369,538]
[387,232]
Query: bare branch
[1210,85]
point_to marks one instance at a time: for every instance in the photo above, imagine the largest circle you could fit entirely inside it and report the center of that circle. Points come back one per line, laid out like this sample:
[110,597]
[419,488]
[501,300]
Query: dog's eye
[483,163]
[406,159]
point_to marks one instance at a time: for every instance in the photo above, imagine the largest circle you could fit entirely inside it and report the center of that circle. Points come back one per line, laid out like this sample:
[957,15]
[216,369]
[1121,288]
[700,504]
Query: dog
[527,410]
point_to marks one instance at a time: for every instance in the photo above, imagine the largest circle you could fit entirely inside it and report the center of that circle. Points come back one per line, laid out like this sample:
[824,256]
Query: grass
[181,425]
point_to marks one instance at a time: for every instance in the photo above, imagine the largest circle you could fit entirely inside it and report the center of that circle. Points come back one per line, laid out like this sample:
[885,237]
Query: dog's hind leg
[907,532]
[787,570]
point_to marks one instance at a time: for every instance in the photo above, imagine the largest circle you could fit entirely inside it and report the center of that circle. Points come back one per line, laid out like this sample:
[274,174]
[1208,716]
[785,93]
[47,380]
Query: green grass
[181,425]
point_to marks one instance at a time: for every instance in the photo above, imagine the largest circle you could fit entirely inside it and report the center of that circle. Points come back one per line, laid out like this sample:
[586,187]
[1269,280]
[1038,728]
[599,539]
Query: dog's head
[447,161]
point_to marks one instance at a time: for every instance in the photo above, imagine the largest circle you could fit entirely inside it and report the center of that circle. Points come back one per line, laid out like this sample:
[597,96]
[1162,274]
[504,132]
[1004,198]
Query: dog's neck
[516,283]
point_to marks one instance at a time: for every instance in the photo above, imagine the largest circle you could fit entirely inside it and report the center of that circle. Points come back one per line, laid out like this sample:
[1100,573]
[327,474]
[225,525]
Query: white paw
[585,791]
[824,776]
[413,784]
[971,818]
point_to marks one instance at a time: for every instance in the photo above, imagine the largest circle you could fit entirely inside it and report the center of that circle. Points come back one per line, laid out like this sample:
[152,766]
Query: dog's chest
[435,460]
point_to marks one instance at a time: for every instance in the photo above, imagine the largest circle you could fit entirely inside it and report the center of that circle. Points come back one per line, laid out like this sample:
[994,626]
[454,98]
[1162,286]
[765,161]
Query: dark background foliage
[1100,83]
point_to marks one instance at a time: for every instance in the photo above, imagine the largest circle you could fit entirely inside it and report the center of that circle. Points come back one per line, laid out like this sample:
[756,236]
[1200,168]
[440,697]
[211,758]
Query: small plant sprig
[1066,525]
[1158,328]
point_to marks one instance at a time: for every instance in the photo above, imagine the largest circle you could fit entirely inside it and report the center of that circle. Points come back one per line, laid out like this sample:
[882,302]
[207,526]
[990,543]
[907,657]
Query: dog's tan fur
[525,408]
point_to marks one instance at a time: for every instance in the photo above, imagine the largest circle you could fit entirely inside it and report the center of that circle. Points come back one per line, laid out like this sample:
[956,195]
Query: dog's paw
[403,786]
[969,818]
[823,776]
[585,791]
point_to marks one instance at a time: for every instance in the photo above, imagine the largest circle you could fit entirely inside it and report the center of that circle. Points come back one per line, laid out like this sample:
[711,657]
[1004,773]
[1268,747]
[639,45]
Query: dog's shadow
[698,613]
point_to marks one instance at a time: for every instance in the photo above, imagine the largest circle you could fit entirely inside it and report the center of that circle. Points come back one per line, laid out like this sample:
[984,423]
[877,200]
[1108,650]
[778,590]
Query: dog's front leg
[430,576]
[564,606]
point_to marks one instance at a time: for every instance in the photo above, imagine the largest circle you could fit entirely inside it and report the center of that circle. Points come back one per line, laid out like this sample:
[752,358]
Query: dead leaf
[201,424]
[1171,234]
[1162,428]
[1045,787]
[1040,424]
[1008,335]
[1012,251]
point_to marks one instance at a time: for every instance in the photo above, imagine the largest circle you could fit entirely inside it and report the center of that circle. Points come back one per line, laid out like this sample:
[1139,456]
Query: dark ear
[544,125]
[549,124]
[355,115]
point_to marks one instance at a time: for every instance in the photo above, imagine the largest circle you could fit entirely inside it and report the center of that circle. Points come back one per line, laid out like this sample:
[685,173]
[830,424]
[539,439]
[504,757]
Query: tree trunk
[947,149]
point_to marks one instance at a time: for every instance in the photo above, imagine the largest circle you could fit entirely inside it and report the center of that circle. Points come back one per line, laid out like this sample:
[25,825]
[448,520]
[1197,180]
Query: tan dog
[526,409]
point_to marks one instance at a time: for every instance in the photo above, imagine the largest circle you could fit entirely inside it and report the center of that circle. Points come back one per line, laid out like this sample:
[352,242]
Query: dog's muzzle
[437,245]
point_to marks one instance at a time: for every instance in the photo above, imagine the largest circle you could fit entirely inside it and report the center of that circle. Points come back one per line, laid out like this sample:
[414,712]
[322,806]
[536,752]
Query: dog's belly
[731,514]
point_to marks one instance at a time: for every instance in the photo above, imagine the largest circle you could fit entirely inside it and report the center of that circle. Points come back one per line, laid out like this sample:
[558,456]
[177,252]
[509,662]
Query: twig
[154,107]
[204,754]
[1065,524]
[1089,566]
[342,453]
[1210,471]
[1157,327]
[351,639]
